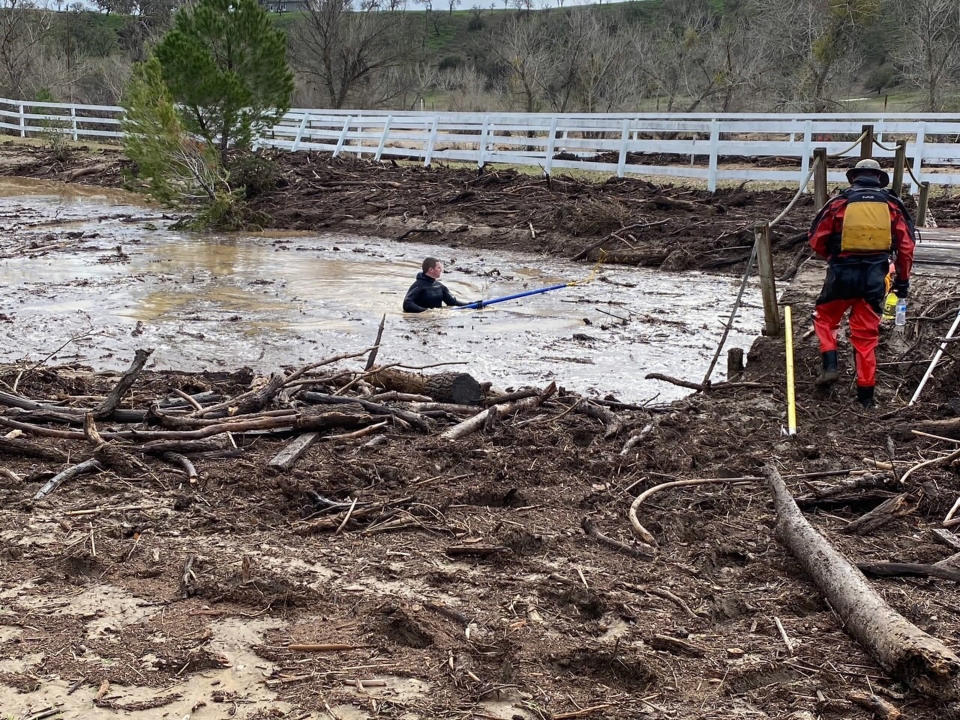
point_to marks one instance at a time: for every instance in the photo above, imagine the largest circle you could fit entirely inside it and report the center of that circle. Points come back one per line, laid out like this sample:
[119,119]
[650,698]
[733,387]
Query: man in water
[427,291]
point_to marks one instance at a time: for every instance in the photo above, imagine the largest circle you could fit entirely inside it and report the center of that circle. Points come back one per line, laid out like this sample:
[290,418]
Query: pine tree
[225,66]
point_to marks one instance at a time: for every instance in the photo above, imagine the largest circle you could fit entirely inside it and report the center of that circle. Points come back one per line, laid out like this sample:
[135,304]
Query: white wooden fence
[703,146]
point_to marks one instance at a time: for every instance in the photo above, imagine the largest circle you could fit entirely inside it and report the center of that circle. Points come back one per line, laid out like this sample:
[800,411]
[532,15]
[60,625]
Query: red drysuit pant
[864,333]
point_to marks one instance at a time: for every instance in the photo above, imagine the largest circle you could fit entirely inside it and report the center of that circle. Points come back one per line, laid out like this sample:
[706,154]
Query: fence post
[624,136]
[482,150]
[343,136]
[820,178]
[768,284]
[383,138]
[551,146]
[714,144]
[805,158]
[73,121]
[918,154]
[23,124]
[428,157]
[922,204]
[899,159]
[866,145]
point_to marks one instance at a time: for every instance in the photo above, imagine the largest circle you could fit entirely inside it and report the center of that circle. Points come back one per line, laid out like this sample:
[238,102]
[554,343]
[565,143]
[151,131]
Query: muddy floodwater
[104,273]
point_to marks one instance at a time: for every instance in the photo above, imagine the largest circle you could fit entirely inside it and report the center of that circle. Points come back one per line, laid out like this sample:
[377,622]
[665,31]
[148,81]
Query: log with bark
[448,387]
[901,648]
[110,403]
[479,420]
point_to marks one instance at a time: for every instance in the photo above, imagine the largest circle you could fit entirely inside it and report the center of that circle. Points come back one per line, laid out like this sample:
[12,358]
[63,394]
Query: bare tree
[522,51]
[23,28]
[342,51]
[930,55]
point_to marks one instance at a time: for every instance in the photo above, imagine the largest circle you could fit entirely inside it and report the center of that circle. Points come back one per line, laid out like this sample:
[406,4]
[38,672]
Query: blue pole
[493,301]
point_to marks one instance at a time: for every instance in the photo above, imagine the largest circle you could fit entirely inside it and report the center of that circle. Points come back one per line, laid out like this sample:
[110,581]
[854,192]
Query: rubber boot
[829,374]
[865,397]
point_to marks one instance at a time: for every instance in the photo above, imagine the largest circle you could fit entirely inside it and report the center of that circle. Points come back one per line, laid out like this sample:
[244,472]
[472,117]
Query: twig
[783,634]
[346,519]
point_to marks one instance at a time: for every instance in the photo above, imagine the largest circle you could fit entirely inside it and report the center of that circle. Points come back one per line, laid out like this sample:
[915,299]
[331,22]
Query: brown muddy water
[70,268]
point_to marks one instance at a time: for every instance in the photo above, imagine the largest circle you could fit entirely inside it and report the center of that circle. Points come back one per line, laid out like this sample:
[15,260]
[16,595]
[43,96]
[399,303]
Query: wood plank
[292,451]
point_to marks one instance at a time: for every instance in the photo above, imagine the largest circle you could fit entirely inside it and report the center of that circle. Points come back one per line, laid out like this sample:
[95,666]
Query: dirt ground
[443,578]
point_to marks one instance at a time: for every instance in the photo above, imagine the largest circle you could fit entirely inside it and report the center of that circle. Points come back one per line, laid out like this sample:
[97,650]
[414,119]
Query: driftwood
[612,421]
[18,446]
[417,420]
[325,524]
[616,236]
[111,455]
[892,569]
[292,451]
[700,387]
[881,709]
[674,645]
[947,538]
[110,403]
[73,471]
[372,357]
[477,421]
[448,387]
[183,462]
[883,513]
[901,648]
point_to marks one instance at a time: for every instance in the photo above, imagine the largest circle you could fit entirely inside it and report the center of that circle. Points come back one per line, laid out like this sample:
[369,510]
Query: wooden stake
[768,284]
[820,178]
[899,162]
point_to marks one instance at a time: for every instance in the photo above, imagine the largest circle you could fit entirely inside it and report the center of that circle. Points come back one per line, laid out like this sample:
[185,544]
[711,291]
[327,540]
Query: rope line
[910,170]
[851,147]
[803,185]
[884,147]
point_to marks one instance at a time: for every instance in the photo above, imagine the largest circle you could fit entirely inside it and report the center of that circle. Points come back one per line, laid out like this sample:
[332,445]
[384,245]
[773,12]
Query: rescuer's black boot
[829,374]
[865,397]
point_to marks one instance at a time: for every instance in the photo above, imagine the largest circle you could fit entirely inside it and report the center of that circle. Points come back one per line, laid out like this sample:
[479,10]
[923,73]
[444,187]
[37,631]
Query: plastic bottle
[889,306]
[901,316]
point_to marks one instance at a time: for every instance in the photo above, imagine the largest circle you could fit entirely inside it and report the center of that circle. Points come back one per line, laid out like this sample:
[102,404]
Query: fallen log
[449,387]
[892,569]
[110,403]
[901,648]
[27,448]
[477,421]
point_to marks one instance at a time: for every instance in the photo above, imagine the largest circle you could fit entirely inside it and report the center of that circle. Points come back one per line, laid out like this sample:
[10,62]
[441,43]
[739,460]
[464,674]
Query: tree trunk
[450,387]
[901,648]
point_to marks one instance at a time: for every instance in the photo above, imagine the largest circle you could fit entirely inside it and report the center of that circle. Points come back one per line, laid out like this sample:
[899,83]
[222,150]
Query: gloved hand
[901,288]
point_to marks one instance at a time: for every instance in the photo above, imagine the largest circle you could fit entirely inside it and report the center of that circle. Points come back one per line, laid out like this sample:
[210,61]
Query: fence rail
[711,148]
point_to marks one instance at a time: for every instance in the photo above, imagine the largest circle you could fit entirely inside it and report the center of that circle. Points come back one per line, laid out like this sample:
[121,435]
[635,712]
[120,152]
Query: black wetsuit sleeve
[449,299]
[410,304]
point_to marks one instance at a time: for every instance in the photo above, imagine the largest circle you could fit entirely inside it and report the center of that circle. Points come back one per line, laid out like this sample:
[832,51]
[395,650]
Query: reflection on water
[280,299]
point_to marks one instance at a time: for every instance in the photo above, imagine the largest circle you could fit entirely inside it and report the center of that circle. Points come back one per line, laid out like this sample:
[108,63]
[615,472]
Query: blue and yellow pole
[791,397]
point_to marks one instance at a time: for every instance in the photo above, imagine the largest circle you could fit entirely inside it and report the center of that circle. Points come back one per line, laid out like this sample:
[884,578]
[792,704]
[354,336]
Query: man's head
[432,268]
[868,168]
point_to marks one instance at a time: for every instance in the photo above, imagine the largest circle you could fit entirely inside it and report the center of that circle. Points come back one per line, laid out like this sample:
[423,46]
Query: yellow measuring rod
[791,397]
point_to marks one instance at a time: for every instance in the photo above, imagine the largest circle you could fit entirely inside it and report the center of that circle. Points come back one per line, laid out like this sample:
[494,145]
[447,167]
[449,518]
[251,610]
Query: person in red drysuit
[857,232]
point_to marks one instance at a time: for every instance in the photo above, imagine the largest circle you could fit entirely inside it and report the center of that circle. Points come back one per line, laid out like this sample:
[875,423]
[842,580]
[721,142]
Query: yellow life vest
[866,227]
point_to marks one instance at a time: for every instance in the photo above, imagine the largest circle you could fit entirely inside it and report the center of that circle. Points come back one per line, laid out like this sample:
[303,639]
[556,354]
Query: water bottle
[901,316]
[889,306]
